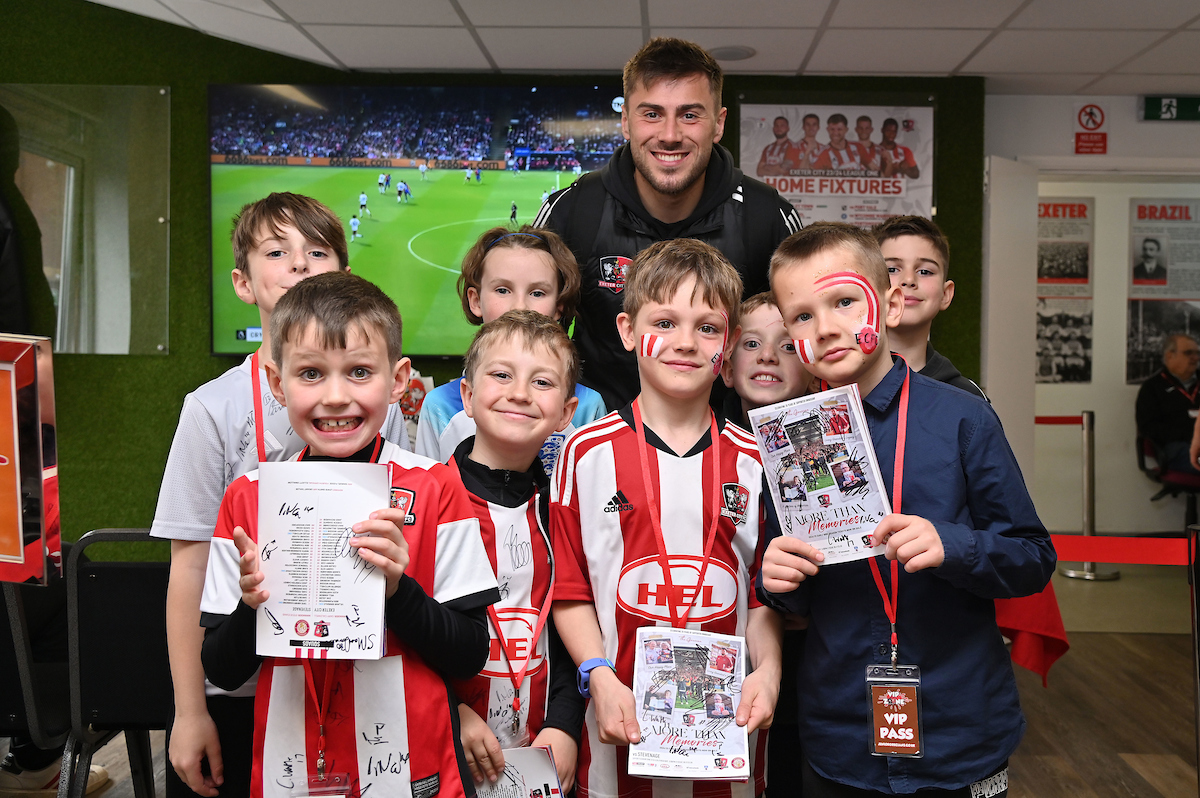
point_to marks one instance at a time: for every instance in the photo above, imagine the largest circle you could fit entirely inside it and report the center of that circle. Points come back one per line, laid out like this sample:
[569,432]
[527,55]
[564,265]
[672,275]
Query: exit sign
[1171,109]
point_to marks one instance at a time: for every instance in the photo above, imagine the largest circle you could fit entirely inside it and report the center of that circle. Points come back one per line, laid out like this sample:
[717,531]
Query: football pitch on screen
[412,251]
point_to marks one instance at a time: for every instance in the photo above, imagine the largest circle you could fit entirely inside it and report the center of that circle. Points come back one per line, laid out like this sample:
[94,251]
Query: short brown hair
[757,301]
[659,269]
[314,221]
[916,226]
[527,237]
[335,302]
[666,58]
[821,236]
[530,328]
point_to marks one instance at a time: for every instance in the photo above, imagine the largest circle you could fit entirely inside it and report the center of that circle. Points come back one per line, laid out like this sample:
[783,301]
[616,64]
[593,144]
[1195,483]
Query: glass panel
[90,205]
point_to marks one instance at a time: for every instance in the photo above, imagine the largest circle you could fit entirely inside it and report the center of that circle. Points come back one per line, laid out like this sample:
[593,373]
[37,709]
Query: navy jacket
[960,474]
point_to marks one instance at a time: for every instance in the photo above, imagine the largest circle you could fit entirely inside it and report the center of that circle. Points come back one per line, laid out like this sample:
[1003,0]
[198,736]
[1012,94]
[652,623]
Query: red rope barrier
[1076,421]
[1134,551]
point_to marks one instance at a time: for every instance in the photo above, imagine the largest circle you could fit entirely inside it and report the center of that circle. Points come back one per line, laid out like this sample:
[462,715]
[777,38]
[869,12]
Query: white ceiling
[1021,46]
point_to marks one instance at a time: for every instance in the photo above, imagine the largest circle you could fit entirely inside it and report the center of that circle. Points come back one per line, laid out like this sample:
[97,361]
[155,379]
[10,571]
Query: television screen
[466,154]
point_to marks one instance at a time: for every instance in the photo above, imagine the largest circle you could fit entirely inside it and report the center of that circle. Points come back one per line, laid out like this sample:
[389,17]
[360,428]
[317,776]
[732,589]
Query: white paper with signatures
[325,600]
[528,773]
[687,685]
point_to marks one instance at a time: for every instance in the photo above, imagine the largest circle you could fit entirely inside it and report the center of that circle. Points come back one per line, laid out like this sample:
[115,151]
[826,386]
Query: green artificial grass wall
[117,414]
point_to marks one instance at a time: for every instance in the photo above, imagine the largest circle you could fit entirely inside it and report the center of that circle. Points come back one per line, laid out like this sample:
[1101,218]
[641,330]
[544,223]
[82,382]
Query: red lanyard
[680,621]
[518,678]
[322,705]
[889,608]
[259,438]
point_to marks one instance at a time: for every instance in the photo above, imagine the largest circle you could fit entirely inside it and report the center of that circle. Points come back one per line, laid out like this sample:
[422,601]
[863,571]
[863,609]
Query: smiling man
[670,180]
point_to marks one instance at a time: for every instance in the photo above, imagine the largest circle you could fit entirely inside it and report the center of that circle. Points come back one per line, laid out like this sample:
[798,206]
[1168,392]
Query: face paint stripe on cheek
[868,337]
[804,350]
[651,345]
[719,357]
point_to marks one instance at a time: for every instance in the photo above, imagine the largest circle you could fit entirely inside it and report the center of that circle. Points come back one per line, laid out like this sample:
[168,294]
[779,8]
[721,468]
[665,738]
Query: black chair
[1173,482]
[120,677]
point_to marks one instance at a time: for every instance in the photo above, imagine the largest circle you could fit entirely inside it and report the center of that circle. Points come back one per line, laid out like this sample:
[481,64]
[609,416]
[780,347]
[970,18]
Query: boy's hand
[760,691]
[482,749]
[566,753]
[912,540]
[787,562]
[193,739]
[616,709]
[381,543]
[251,577]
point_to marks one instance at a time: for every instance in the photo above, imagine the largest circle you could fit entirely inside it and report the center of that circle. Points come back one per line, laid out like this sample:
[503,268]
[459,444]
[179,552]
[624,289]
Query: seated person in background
[1167,403]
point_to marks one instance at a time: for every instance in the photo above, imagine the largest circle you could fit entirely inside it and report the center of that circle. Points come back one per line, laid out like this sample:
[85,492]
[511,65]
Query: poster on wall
[1064,278]
[860,164]
[1164,279]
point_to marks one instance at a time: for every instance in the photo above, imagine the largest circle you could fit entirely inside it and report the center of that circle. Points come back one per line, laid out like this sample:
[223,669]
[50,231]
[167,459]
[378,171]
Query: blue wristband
[585,674]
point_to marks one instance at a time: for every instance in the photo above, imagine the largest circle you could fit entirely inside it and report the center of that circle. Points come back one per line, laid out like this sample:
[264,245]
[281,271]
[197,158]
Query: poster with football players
[1064,279]
[860,164]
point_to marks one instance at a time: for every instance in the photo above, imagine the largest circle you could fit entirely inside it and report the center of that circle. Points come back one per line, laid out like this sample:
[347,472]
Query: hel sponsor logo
[1165,213]
[517,625]
[643,591]
[404,499]
[737,499]
[613,269]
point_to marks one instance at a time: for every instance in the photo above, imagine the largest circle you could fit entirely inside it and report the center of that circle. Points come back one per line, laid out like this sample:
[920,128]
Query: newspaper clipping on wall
[822,472]
[860,164]
[1064,278]
[687,686]
[1164,279]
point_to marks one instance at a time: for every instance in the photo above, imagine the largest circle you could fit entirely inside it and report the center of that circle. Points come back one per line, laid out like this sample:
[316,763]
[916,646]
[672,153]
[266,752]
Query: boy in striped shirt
[663,481]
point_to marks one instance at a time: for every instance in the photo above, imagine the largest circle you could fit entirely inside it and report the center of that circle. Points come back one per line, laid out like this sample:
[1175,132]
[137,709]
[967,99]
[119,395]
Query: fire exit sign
[1171,109]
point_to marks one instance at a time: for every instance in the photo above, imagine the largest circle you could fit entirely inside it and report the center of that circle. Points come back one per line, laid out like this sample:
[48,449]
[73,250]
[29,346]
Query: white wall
[1145,159]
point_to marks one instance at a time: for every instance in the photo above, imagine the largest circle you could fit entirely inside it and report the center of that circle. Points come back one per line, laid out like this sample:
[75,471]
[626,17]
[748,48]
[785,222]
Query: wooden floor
[1117,720]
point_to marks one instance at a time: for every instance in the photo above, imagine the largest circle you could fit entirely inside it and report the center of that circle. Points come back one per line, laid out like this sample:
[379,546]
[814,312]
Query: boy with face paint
[963,527]
[663,480]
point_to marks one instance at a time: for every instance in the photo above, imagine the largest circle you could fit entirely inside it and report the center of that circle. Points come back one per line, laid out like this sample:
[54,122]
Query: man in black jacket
[1167,403]
[670,180]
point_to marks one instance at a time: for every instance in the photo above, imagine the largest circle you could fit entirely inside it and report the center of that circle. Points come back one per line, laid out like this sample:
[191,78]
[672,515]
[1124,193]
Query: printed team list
[326,602]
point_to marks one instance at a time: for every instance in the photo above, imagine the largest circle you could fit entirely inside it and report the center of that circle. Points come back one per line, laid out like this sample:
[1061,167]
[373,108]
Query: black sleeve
[566,707]
[228,650]
[454,642]
[1151,412]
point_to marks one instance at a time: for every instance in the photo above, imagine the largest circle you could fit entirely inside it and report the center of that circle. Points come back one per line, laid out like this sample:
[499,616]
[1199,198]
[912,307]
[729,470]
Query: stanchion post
[1193,570]
[1089,571]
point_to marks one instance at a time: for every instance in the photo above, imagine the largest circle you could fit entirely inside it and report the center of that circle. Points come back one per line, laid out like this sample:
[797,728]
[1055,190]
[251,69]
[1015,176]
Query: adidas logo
[618,504]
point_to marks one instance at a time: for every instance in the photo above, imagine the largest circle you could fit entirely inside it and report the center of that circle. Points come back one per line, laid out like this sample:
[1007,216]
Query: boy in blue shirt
[963,527]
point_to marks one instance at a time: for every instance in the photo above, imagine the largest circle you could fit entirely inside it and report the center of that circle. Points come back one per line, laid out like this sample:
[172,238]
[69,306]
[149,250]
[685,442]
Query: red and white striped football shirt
[401,738]
[519,551]
[780,150]
[607,555]
[833,158]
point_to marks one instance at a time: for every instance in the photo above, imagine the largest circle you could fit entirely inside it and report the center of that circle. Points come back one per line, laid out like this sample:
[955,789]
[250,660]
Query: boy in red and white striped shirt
[393,730]
[663,481]
[518,388]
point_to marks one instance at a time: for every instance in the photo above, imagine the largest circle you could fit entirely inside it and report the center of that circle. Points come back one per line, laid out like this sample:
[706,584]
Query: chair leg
[77,757]
[1190,517]
[141,762]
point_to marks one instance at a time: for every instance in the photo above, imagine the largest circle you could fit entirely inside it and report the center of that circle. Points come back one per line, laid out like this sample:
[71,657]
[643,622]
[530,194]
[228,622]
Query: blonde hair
[659,269]
[314,221]
[822,236]
[531,329]
[336,302]
[527,237]
[757,301]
